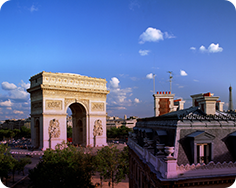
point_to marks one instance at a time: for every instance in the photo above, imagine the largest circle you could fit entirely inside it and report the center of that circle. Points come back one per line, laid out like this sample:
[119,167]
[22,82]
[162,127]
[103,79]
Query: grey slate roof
[194,113]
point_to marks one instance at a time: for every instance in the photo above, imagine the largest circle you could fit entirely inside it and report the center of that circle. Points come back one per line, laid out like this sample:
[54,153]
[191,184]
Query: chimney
[206,101]
[179,103]
[163,103]
[219,105]
[195,98]
[230,99]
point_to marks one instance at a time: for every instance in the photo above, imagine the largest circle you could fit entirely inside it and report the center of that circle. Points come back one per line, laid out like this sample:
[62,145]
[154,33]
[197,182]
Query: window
[203,153]
[201,144]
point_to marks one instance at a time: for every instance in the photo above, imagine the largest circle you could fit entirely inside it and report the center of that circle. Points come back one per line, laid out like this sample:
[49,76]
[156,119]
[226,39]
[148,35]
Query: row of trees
[15,133]
[120,132]
[74,167]
[10,164]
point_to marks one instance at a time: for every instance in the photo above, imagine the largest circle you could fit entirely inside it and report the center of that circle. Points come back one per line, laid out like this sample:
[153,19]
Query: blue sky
[122,41]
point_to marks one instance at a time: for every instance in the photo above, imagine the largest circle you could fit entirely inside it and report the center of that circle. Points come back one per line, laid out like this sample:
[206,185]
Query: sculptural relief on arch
[52,94]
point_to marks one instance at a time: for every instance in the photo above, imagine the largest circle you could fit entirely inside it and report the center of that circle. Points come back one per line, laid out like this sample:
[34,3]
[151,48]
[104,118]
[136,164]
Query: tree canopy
[112,164]
[120,132]
[6,161]
[63,167]
[22,132]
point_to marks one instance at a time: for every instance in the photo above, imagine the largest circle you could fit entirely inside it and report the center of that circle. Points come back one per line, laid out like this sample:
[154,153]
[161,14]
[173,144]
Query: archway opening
[78,123]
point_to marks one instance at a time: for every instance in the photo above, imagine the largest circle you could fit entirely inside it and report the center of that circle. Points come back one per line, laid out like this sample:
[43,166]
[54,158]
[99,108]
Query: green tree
[15,164]
[22,163]
[17,133]
[3,134]
[63,167]
[123,131]
[25,132]
[120,132]
[112,164]
[6,161]
[69,132]
[112,132]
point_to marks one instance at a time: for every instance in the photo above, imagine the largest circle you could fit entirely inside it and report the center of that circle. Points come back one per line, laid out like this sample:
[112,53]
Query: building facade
[193,147]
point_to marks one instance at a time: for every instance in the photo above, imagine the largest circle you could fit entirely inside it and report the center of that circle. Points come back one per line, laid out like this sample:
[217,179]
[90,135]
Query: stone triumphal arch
[52,94]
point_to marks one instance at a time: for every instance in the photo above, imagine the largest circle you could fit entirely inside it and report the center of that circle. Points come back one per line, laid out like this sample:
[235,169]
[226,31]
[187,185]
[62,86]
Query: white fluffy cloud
[15,101]
[119,98]
[154,35]
[114,82]
[7,103]
[119,95]
[33,8]
[143,52]
[169,36]
[183,73]
[19,93]
[8,86]
[24,85]
[149,76]
[193,48]
[213,48]
[202,49]
[151,35]
[136,100]
[17,112]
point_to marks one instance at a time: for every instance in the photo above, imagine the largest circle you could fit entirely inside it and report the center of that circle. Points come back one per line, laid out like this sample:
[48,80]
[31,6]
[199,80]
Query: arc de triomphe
[52,94]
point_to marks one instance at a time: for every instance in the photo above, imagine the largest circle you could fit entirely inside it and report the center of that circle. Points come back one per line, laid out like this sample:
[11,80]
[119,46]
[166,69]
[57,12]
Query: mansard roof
[194,114]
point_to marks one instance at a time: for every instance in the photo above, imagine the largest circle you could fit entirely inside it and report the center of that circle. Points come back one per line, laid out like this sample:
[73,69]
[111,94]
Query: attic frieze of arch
[77,94]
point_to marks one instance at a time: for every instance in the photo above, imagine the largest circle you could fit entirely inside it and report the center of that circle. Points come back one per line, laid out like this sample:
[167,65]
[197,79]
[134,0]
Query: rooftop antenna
[153,76]
[170,79]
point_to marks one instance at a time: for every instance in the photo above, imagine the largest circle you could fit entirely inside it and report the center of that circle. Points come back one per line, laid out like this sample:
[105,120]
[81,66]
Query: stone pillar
[170,167]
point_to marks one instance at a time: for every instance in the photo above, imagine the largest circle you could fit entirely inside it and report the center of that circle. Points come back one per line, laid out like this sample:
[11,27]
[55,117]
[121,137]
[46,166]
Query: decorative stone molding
[73,100]
[54,128]
[68,80]
[53,105]
[97,106]
[72,94]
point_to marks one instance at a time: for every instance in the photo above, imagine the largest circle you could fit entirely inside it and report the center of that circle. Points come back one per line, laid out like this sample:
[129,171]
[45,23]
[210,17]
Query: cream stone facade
[52,94]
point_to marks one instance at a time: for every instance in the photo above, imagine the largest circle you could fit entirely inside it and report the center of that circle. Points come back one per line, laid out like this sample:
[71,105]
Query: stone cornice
[68,89]
[67,80]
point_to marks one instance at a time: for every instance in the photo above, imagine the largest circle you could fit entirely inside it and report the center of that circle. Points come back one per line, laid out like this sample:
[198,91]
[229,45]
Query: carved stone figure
[54,128]
[97,130]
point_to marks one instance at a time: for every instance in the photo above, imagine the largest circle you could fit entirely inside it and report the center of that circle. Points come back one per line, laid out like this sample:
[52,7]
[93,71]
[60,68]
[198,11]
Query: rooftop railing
[168,167]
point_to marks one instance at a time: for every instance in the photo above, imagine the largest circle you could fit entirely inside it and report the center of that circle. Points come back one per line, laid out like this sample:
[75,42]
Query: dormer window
[201,144]
[231,143]
[204,153]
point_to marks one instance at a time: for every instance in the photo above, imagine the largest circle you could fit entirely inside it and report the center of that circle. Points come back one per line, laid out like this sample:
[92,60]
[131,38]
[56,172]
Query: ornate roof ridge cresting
[193,114]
